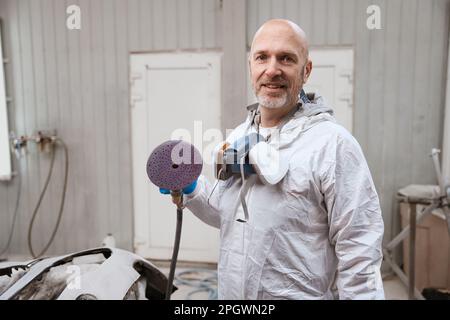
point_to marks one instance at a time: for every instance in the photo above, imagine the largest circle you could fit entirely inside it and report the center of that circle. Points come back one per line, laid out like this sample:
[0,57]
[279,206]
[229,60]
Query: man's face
[278,67]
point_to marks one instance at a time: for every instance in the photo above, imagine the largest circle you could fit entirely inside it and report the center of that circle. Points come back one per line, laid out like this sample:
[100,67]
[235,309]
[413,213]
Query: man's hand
[186,190]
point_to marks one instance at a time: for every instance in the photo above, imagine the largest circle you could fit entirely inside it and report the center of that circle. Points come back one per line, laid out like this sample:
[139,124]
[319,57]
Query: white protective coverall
[317,234]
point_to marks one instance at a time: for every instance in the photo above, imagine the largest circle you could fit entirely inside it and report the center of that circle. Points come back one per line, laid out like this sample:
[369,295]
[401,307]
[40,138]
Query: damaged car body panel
[101,273]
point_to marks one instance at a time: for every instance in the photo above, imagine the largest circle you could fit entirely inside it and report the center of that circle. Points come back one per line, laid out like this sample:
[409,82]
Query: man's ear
[307,70]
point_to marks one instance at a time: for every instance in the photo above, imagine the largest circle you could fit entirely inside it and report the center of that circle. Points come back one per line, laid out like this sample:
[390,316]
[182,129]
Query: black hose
[41,196]
[16,210]
[176,248]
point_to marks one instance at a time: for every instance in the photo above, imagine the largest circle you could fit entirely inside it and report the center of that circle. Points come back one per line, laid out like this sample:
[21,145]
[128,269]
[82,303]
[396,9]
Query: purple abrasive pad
[174,165]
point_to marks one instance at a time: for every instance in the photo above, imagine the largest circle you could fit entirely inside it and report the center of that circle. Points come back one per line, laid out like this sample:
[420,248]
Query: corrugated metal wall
[399,80]
[77,82]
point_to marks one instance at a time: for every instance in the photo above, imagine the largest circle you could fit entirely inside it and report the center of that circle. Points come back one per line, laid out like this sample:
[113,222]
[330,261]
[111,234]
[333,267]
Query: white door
[331,77]
[171,92]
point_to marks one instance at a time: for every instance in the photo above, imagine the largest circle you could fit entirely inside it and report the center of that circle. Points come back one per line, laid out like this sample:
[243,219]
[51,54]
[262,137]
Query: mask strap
[243,192]
[215,185]
[246,184]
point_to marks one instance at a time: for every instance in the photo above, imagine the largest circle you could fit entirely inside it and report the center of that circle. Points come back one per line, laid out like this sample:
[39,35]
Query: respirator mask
[250,155]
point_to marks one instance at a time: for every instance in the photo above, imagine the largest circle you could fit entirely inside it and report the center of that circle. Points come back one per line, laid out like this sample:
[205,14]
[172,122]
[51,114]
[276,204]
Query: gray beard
[272,103]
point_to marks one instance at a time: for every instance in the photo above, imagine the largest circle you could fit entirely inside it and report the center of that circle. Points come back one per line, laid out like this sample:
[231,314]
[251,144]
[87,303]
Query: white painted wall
[77,82]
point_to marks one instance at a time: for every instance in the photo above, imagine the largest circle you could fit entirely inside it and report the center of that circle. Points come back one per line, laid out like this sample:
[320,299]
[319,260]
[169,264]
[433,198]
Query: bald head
[290,30]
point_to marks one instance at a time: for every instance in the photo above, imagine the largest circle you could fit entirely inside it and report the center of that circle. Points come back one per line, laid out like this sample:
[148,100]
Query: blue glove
[164,191]
[190,188]
[186,190]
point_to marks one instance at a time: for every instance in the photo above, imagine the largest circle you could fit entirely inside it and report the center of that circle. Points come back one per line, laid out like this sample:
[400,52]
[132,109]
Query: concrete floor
[184,290]
[394,289]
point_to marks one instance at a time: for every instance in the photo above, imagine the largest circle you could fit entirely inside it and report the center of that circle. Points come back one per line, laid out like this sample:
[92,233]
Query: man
[317,233]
